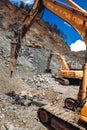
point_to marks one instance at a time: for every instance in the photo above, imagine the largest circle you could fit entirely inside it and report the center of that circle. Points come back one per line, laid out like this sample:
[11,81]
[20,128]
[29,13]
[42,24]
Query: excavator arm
[22,30]
[60,58]
[29,19]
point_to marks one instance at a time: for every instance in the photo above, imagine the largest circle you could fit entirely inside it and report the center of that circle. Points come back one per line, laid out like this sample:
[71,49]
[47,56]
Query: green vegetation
[57,30]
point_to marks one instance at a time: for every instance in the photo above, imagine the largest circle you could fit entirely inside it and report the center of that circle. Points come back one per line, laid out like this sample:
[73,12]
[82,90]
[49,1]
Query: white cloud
[29,1]
[79,45]
[25,1]
[67,24]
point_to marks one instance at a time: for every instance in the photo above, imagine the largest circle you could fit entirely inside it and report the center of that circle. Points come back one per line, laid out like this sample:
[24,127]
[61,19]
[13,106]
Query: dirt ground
[44,89]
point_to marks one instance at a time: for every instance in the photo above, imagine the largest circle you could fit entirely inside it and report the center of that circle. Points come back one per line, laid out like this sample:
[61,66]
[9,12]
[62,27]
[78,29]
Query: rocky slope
[29,74]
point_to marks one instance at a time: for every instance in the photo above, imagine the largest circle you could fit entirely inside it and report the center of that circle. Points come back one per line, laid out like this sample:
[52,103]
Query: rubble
[26,100]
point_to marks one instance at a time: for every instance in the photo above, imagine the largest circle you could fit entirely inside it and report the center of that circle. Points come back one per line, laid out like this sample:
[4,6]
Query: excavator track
[62,80]
[59,118]
[67,81]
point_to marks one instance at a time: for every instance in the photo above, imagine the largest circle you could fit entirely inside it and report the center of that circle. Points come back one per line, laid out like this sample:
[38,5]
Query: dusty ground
[18,117]
[27,77]
[29,74]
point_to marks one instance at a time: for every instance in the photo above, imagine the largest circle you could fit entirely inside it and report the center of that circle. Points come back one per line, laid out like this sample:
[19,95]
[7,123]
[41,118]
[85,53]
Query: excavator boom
[64,65]
[26,24]
[29,19]
[76,19]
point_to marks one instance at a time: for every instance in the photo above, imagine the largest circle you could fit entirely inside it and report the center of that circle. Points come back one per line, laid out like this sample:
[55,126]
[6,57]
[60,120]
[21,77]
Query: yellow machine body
[83,114]
[70,74]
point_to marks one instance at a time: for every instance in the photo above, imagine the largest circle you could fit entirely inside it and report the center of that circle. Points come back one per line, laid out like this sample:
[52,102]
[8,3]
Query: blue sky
[72,36]
[26,1]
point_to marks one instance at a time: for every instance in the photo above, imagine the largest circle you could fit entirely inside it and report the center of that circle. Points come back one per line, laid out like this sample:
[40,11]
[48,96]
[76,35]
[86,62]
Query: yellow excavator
[54,115]
[66,75]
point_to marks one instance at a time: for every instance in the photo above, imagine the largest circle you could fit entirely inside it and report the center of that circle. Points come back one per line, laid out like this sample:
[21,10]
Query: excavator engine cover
[83,114]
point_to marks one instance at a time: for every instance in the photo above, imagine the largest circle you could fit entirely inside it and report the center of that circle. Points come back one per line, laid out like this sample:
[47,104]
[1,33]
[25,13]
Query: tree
[22,5]
[27,7]
[59,32]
